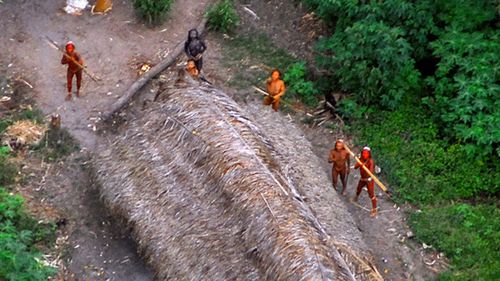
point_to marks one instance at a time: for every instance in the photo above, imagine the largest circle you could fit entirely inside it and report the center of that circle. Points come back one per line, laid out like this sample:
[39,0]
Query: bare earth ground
[112,46]
[98,250]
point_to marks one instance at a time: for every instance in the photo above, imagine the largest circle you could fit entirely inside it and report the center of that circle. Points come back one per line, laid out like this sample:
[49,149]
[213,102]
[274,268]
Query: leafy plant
[222,16]
[19,258]
[152,12]
[349,109]
[8,170]
[296,83]
[371,60]
[466,88]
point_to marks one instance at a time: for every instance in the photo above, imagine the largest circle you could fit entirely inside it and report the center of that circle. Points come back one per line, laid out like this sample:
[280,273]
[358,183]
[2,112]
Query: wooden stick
[377,181]
[53,44]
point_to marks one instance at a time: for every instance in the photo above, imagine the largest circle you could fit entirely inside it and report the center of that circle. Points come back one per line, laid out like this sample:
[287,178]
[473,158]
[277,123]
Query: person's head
[192,34]
[275,74]
[191,64]
[70,47]
[339,145]
[366,153]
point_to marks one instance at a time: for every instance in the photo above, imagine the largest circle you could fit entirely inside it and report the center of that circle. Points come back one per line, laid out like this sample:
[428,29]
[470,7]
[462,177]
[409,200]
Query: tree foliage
[152,12]
[466,94]
[377,45]
[371,60]
[222,16]
[19,258]
[297,84]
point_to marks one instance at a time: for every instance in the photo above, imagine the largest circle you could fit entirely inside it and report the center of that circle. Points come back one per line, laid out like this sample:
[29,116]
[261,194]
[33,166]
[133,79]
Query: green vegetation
[19,233]
[295,78]
[152,12]
[222,16]
[425,168]
[7,170]
[423,83]
[468,235]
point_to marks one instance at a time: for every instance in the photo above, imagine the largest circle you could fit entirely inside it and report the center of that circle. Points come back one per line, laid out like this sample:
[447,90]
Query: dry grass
[24,132]
[199,183]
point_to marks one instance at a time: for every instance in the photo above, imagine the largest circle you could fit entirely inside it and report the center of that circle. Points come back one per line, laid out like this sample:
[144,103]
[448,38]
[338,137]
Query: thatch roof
[207,196]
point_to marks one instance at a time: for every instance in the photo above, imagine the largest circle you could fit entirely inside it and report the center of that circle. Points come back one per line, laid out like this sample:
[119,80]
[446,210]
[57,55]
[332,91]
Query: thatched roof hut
[210,196]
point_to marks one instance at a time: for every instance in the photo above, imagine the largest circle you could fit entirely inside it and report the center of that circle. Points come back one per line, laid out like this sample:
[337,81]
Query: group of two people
[193,47]
[339,157]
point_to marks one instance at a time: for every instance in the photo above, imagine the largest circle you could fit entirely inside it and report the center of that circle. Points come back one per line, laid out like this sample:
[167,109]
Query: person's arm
[79,59]
[187,51]
[64,59]
[282,90]
[330,157]
[202,42]
[348,163]
[371,166]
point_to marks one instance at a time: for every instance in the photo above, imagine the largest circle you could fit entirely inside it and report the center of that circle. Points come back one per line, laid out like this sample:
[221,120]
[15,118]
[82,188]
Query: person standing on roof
[75,68]
[341,164]
[366,180]
[194,48]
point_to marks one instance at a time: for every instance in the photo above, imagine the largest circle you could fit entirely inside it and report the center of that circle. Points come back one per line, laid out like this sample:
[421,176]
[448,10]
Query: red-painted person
[366,180]
[74,69]
[341,164]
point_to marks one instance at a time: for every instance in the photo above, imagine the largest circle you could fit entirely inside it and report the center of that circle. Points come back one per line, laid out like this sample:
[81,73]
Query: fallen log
[155,70]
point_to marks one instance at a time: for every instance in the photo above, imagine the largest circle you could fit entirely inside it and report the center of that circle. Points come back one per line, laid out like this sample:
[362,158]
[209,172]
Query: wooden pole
[377,181]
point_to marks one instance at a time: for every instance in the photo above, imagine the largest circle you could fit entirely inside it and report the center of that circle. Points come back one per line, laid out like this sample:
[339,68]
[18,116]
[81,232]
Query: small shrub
[152,12]
[296,83]
[19,258]
[7,170]
[349,109]
[222,16]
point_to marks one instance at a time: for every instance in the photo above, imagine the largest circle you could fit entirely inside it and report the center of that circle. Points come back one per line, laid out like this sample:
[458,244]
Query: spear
[54,45]
[377,181]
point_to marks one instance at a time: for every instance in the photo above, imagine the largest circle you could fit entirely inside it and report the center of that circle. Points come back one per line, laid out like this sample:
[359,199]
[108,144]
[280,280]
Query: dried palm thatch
[24,132]
[200,185]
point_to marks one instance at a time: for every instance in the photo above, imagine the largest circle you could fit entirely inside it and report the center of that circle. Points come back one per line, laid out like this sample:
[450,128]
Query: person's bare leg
[335,176]
[371,192]
[343,178]
[69,81]
[78,82]
[358,190]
